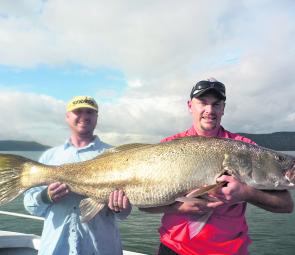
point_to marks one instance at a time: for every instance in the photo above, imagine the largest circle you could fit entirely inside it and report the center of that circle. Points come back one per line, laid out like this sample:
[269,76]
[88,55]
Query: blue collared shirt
[63,233]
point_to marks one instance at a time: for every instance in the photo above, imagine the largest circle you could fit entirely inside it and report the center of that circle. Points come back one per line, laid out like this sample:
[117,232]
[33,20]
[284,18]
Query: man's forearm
[159,209]
[193,206]
[273,201]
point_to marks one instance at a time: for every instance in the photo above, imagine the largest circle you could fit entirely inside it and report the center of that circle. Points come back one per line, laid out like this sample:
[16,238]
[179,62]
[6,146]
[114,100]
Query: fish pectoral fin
[204,198]
[188,199]
[89,208]
[196,223]
[205,190]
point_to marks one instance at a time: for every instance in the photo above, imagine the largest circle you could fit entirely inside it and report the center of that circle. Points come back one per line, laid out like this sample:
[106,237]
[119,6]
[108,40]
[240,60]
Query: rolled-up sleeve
[33,202]
[32,197]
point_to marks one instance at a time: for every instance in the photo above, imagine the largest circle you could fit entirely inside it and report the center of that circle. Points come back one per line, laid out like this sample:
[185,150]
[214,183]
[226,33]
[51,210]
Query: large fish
[152,174]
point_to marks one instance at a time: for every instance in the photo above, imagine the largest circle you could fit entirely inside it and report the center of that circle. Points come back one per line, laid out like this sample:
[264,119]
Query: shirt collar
[193,132]
[94,143]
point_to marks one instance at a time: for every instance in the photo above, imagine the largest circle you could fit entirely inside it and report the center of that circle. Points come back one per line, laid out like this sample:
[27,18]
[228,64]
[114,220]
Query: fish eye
[279,158]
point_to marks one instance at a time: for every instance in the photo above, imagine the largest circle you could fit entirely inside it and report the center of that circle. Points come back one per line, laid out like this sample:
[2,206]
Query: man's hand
[118,201]
[233,192]
[57,191]
[199,206]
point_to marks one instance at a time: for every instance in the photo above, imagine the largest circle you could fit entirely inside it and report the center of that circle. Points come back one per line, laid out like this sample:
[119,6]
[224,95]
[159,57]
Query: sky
[139,59]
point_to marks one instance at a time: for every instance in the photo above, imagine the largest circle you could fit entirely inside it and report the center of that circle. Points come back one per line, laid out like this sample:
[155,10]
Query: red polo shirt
[225,232]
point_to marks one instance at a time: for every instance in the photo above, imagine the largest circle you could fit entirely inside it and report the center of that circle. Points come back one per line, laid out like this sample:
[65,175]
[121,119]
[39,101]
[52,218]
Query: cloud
[135,83]
[31,117]
[133,36]
[142,119]
[19,8]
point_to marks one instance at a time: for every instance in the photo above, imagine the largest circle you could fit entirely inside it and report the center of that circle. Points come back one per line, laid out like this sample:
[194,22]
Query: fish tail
[13,168]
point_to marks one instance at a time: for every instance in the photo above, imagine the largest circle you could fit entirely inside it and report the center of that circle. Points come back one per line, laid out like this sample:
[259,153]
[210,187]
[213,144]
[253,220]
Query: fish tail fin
[12,171]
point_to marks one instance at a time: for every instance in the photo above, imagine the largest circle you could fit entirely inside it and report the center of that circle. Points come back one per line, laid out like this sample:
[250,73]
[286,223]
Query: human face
[206,112]
[82,121]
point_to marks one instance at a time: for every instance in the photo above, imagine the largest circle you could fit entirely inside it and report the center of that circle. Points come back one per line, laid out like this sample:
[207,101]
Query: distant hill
[280,141]
[10,145]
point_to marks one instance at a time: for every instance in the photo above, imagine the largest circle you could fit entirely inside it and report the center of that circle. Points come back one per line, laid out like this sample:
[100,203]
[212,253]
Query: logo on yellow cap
[82,102]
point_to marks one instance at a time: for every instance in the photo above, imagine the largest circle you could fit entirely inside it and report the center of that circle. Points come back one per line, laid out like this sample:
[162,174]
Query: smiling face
[82,121]
[207,111]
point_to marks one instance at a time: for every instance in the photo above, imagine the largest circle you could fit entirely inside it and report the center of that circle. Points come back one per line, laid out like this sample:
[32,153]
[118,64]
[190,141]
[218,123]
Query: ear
[67,116]
[189,105]
[223,108]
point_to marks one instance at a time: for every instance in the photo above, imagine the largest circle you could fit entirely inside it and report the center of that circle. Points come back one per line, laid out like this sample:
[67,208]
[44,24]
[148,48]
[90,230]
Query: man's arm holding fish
[234,192]
[273,201]
[118,201]
[191,205]
[33,202]
[185,207]
[37,200]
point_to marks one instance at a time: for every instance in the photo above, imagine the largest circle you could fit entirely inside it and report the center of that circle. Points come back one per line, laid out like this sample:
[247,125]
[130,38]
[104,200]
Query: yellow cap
[82,102]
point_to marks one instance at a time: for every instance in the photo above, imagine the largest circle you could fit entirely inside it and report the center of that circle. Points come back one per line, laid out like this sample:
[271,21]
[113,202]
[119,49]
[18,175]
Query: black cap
[204,86]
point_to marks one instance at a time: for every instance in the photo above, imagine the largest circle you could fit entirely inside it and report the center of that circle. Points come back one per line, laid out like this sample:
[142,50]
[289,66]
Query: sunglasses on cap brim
[204,85]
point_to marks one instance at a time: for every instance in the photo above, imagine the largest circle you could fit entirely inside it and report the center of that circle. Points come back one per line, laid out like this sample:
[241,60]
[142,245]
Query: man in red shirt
[225,231]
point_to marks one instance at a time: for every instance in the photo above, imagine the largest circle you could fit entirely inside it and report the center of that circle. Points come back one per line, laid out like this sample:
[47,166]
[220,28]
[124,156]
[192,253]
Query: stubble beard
[211,128]
[208,126]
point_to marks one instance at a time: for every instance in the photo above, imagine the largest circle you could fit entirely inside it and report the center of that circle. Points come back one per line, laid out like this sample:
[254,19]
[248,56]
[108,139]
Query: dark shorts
[164,250]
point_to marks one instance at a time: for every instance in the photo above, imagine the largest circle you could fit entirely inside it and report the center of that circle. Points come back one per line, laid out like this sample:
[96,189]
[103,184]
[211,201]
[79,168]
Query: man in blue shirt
[63,233]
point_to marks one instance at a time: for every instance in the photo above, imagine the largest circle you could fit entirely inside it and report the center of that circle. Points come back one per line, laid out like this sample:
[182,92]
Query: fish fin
[188,199]
[208,198]
[204,190]
[187,138]
[89,208]
[196,223]
[202,198]
[123,147]
[12,170]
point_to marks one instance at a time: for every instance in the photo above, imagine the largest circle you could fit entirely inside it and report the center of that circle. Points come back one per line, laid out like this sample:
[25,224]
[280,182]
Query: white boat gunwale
[18,241]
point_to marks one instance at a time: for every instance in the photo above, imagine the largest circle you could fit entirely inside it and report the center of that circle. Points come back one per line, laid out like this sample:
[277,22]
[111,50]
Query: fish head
[273,170]
[290,175]
[261,168]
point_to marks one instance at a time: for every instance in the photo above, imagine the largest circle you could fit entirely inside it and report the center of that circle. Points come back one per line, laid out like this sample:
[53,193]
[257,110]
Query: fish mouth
[290,175]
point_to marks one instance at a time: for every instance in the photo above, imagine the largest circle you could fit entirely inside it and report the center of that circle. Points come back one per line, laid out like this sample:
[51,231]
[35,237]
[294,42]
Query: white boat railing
[30,241]
[21,215]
